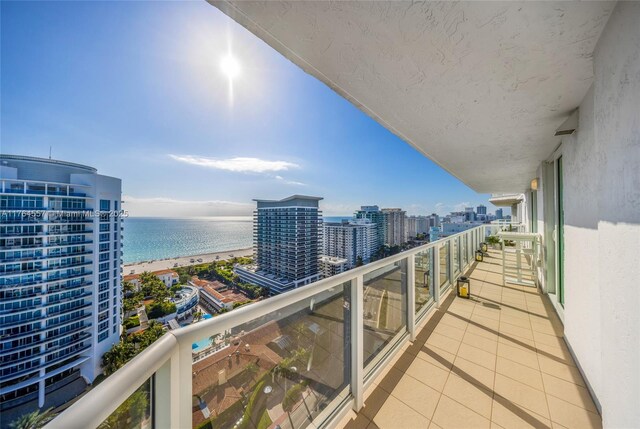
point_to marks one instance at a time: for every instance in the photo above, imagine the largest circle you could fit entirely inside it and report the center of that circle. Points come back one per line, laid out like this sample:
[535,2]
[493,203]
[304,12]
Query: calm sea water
[159,238]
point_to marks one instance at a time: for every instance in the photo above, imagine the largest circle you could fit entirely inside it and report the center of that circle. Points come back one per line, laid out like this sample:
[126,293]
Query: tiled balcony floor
[497,360]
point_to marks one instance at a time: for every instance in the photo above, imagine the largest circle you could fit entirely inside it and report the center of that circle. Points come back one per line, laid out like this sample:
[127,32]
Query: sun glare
[230,67]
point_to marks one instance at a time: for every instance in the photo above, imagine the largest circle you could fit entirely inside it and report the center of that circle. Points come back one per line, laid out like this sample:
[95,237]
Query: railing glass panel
[456,256]
[281,369]
[424,280]
[384,307]
[443,256]
[133,413]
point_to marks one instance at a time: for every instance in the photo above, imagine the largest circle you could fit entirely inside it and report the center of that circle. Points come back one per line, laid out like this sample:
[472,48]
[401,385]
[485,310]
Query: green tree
[129,346]
[131,412]
[33,420]
[359,262]
[251,369]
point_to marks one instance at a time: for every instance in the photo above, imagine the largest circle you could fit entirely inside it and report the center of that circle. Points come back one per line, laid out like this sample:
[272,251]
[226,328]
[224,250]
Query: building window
[105,205]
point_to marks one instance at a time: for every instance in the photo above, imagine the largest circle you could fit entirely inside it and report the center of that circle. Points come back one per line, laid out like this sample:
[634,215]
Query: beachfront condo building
[60,267]
[395,233]
[377,217]
[350,240]
[287,242]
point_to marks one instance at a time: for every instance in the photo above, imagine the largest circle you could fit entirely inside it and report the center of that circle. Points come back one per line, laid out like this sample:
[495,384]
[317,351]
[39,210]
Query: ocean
[159,238]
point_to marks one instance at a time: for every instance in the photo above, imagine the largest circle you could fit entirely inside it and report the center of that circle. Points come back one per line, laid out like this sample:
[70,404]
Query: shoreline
[181,261]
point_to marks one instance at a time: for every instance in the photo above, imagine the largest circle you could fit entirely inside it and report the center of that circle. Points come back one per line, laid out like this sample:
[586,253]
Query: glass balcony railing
[300,359]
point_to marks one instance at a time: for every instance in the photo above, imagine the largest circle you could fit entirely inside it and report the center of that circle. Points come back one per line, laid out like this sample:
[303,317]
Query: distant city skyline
[162,116]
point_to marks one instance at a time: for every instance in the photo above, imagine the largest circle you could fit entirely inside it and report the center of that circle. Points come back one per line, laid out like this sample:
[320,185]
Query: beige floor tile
[373,402]
[571,416]
[521,394]
[515,341]
[485,322]
[509,415]
[561,370]
[522,373]
[509,329]
[518,354]
[389,379]
[471,395]
[426,373]
[521,322]
[452,415]
[473,373]
[449,331]
[395,414]
[548,339]
[483,331]
[417,395]
[478,356]
[560,354]
[435,356]
[451,320]
[353,421]
[484,312]
[572,393]
[483,343]
[443,342]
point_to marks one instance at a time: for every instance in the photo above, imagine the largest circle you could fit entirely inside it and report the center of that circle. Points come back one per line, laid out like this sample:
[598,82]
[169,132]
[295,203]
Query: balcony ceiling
[478,87]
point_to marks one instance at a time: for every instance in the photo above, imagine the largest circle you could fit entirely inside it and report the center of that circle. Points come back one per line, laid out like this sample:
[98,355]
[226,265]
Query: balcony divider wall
[287,348]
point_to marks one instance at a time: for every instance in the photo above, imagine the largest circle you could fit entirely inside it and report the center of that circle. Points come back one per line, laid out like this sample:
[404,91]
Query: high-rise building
[60,273]
[350,240]
[411,227]
[331,265]
[422,224]
[377,217]
[434,220]
[395,233]
[499,214]
[469,214]
[287,239]
[481,210]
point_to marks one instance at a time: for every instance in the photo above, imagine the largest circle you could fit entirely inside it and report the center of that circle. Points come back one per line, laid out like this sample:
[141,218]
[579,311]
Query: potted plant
[494,241]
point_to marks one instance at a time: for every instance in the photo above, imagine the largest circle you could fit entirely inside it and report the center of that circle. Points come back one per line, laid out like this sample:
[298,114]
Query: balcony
[321,345]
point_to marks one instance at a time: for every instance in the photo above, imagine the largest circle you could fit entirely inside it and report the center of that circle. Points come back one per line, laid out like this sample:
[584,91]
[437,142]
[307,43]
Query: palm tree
[33,420]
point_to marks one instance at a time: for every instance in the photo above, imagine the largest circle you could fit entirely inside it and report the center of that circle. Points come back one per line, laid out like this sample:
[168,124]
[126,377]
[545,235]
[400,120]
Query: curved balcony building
[60,267]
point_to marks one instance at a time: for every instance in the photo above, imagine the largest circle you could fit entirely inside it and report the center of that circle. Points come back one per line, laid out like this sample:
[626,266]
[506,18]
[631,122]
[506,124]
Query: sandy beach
[181,261]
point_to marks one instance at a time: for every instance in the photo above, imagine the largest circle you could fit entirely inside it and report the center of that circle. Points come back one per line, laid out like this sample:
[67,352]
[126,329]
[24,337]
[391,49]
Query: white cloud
[237,164]
[289,182]
[444,209]
[170,207]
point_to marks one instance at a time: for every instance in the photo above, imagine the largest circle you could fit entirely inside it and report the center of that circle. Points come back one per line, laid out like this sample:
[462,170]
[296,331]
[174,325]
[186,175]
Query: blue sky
[136,90]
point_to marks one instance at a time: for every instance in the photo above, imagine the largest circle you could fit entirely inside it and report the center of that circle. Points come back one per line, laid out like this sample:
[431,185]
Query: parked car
[199,259]
[192,260]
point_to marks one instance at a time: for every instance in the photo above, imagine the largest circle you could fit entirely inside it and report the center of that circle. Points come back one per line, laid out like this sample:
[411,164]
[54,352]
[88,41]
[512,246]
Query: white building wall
[601,163]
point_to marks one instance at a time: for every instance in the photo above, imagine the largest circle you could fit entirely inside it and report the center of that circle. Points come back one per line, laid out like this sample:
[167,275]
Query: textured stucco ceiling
[478,87]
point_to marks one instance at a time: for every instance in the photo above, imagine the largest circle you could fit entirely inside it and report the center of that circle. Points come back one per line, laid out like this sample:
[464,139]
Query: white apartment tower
[396,234]
[350,240]
[60,267]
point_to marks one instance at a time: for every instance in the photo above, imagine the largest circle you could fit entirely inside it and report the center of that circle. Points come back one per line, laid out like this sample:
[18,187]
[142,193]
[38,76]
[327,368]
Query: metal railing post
[165,393]
[182,375]
[411,295]
[357,345]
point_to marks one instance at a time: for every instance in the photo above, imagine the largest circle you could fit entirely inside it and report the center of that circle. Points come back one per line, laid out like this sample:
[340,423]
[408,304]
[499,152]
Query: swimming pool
[201,345]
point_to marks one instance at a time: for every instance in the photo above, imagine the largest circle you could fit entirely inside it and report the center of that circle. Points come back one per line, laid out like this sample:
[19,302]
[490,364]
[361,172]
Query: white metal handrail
[170,358]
